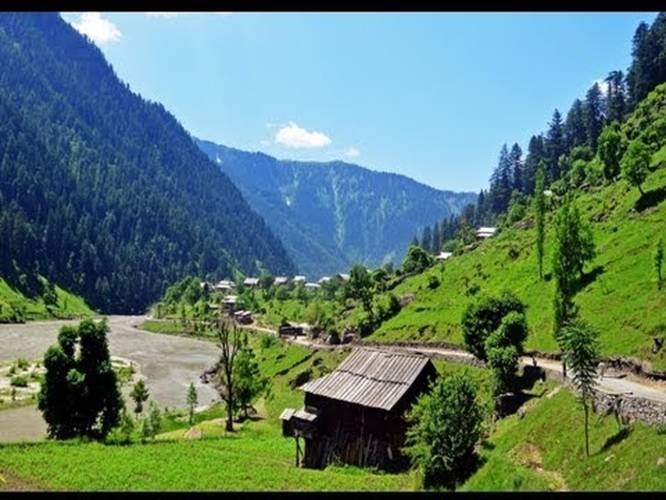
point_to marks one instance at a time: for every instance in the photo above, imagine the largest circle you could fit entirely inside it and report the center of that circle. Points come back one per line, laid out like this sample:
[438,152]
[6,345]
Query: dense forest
[572,150]
[101,191]
[331,215]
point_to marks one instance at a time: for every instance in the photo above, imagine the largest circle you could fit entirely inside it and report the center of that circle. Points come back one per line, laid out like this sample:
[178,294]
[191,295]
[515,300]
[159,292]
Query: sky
[429,95]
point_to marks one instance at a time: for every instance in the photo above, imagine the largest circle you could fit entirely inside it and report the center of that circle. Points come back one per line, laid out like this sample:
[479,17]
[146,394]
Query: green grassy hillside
[621,298]
[545,450]
[16,307]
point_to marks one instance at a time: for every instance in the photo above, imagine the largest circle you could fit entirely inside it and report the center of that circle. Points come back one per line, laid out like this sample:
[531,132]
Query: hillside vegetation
[54,302]
[101,191]
[619,295]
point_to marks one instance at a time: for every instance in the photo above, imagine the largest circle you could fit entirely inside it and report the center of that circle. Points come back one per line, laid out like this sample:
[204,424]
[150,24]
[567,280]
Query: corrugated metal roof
[370,377]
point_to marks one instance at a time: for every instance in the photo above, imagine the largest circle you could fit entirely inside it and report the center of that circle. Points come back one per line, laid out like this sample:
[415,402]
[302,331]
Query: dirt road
[168,362]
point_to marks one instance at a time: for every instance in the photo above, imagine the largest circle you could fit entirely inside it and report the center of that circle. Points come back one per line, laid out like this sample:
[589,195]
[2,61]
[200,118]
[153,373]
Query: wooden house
[485,232]
[355,414]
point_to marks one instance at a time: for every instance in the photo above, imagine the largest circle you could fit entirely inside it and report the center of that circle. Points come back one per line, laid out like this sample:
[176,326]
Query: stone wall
[631,408]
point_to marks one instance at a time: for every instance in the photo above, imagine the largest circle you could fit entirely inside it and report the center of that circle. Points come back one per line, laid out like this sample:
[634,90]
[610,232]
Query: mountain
[102,192]
[332,215]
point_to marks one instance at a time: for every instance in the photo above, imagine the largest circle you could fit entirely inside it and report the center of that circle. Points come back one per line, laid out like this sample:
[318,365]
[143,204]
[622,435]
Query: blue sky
[431,96]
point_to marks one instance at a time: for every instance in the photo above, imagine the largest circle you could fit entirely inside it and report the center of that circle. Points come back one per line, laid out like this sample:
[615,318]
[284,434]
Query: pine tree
[639,77]
[616,105]
[574,126]
[516,158]
[593,114]
[535,153]
[554,147]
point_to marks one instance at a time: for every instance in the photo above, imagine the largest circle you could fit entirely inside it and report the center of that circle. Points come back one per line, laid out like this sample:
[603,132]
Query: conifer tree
[539,216]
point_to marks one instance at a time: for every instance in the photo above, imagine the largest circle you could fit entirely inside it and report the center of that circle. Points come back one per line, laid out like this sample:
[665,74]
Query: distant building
[299,279]
[281,280]
[229,304]
[312,286]
[356,413]
[485,232]
[243,317]
[443,256]
[251,282]
[225,286]
[324,279]
[343,276]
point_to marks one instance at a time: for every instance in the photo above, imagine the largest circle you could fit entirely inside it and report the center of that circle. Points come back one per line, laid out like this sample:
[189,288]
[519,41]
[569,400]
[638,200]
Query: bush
[22,364]
[417,260]
[267,341]
[433,282]
[19,381]
[445,428]
[483,317]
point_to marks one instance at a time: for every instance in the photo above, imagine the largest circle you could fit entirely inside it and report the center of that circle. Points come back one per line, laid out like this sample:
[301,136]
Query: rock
[661,461]
[193,433]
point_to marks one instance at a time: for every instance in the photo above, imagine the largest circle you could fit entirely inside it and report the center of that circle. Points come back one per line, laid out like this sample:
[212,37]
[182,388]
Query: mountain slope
[619,296]
[331,215]
[101,191]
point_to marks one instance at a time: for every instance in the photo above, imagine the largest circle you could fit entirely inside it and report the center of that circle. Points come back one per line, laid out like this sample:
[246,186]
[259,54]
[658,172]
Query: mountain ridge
[333,214]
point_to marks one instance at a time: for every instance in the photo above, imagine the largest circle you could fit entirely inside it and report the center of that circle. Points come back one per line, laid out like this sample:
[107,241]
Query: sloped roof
[370,377]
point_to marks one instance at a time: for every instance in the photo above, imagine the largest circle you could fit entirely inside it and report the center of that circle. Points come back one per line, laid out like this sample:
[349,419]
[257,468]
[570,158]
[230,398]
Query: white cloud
[352,152]
[98,29]
[293,136]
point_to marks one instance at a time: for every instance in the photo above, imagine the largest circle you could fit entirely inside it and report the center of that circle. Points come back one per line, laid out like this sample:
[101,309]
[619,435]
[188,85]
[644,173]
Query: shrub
[433,282]
[19,381]
[22,364]
[267,341]
[445,428]
[483,317]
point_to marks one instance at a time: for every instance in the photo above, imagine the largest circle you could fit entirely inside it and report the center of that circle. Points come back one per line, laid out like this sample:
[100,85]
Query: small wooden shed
[355,414]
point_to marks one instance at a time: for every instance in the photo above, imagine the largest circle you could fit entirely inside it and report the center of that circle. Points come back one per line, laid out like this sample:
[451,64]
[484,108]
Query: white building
[443,256]
[485,232]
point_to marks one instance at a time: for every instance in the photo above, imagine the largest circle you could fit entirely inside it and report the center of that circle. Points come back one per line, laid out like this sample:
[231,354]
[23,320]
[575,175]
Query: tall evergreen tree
[535,153]
[593,114]
[639,77]
[555,146]
[616,105]
[574,126]
[500,183]
[516,158]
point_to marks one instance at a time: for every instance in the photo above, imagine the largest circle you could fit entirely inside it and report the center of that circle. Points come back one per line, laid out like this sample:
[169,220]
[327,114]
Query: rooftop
[370,377]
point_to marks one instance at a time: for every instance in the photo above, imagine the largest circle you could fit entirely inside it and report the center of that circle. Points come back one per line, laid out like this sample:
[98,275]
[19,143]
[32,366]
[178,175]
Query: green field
[16,307]
[542,451]
[545,450]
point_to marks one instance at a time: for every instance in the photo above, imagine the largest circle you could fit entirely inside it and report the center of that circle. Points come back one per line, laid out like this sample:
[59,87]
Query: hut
[251,282]
[442,256]
[485,232]
[355,414]
[229,304]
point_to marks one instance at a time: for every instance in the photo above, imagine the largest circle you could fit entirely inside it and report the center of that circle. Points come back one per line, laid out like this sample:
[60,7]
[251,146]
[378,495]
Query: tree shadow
[616,438]
[650,199]
[590,277]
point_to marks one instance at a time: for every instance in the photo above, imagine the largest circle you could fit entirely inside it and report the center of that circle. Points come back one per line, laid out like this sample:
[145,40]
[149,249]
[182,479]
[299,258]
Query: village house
[229,304]
[281,280]
[443,256]
[299,279]
[324,279]
[311,287]
[343,276]
[485,232]
[355,414]
[251,282]
[224,286]
[243,317]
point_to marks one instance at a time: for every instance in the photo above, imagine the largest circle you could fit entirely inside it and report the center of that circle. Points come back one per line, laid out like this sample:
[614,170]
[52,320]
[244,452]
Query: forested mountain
[101,191]
[332,215]
[573,151]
